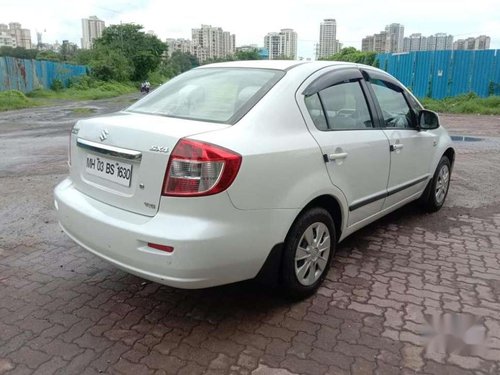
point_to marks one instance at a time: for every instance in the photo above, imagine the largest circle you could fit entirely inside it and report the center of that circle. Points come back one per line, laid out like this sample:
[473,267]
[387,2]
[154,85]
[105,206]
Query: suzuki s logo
[104,135]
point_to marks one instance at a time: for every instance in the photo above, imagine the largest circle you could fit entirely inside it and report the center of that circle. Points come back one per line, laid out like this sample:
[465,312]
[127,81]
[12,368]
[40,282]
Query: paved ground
[64,311]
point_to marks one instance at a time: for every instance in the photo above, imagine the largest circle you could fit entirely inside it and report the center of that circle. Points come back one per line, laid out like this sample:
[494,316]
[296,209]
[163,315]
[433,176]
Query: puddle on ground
[465,138]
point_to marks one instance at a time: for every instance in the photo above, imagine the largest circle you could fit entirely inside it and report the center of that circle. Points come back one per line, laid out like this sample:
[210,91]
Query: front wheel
[435,194]
[308,251]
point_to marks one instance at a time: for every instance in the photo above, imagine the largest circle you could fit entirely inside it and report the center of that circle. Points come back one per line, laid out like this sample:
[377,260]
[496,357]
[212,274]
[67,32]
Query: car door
[411,150]
[339,116]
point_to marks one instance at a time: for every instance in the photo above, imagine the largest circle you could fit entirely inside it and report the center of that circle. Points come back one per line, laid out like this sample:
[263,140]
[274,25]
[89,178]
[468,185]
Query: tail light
[197,168]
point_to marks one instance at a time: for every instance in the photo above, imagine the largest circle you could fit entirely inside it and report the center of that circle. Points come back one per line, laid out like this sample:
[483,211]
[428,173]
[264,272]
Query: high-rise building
[439,42]
[272,42]
[394,37]
[282,44]
[92,28]
[415,42]
[374,43]
[182,45]
[15,36]
[470,43]
[481,42]
[327,38]
[289,40]
[368,43]
[6,40]
[212,42]
[39,41]
[436,42]
[389,40]
[380,42]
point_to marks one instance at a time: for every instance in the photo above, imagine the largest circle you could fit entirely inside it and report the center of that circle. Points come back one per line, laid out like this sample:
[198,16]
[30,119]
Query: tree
[84,56]
[19,52]
[178,63]
[351,54]
[110,65]
[252,54]
[283,57]
[68,51]
[218,59]
[142,51]
[48,55]
[182,62]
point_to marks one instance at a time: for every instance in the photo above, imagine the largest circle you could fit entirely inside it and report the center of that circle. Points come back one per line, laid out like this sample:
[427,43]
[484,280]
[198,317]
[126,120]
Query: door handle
[336,156]
[397,146]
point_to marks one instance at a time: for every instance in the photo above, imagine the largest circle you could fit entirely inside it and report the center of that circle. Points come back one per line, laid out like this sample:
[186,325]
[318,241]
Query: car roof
[275,64]
[303,68]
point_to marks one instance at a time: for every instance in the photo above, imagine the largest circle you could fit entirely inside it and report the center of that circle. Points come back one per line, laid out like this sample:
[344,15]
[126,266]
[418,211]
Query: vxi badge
[159,149]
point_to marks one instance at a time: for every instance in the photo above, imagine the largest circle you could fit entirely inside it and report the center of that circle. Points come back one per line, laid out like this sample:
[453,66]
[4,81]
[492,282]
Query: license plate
[111,170]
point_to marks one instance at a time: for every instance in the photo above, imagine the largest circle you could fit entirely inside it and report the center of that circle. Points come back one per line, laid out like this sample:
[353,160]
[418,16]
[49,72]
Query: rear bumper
[214,243]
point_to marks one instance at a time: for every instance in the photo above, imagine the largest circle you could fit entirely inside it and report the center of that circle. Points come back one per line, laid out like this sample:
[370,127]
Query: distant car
[236,170]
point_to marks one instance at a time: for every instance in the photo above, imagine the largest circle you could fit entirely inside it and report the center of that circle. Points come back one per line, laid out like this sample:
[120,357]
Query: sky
[251,20]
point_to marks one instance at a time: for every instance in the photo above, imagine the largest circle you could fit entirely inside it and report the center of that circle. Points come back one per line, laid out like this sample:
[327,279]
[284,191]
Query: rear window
[210,94]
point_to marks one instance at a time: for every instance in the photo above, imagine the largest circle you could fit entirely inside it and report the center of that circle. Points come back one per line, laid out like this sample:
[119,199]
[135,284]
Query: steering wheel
[344,112]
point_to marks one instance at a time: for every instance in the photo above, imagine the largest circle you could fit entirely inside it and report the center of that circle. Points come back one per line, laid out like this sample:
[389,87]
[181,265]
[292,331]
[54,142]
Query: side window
[395,109]
[315,109]
[340,107]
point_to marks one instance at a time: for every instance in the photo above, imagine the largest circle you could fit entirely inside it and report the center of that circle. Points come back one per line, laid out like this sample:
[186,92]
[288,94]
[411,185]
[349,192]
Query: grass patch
[81,88]
[93,91]
[14,99]
[468,103]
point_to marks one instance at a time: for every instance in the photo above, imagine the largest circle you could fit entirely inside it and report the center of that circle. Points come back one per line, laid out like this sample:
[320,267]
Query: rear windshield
[210,94]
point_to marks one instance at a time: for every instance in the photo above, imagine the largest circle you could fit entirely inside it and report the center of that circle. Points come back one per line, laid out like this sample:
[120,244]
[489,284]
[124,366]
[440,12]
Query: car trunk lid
[121,159]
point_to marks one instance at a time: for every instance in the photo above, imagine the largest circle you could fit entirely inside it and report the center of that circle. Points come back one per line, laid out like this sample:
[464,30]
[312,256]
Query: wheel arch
[450,154]
[332,205]
[271,269]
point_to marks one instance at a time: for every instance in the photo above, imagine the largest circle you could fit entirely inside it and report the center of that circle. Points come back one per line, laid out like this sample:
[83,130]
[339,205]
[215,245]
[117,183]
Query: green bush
[351,54]
[57,85]
[156,78]
[84,82]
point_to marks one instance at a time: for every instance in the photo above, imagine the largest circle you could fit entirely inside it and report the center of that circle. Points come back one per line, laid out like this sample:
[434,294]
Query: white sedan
[250,169]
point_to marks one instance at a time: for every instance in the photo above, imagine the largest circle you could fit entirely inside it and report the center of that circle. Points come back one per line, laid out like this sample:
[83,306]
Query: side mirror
[428,120]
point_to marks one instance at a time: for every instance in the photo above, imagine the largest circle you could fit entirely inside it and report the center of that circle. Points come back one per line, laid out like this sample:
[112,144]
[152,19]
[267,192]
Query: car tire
[435,194]
[307,253]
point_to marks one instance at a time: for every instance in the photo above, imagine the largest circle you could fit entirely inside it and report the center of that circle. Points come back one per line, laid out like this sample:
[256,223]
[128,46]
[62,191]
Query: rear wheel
[437,190]
[308,251]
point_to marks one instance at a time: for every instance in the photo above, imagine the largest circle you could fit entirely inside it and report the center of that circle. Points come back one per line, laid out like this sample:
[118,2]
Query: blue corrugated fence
[438,74]
[27,75]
